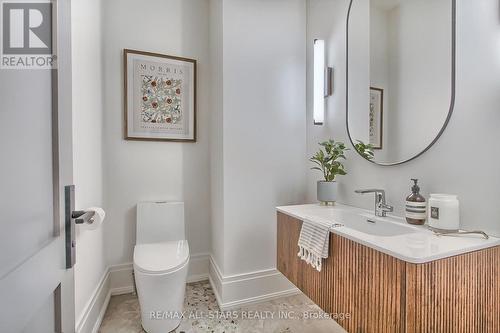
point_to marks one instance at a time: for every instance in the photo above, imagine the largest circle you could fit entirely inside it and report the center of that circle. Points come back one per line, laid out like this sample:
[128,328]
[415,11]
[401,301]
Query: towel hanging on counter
[314,240]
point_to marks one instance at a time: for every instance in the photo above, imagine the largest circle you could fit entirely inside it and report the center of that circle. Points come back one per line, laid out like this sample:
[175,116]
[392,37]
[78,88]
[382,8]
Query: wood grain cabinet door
[360,286]
[456,294]
[372,292]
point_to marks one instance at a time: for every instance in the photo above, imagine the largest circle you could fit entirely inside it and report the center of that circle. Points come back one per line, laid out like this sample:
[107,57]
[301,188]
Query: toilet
[161,258]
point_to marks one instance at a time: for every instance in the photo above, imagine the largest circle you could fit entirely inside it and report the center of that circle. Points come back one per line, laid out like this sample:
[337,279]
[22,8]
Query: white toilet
[161,258]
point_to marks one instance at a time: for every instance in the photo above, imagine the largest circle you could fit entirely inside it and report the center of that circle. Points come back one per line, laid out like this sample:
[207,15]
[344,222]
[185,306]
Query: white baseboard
[102,312]
[250,288]
[121,279]
[118,280]
[93,312]
[198,267]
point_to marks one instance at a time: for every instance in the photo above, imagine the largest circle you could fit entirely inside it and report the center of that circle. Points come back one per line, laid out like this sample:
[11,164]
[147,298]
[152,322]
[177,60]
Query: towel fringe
[310,258]
[314,242]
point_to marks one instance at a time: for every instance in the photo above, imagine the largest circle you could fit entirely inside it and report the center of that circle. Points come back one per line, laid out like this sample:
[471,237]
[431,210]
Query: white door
[36,289]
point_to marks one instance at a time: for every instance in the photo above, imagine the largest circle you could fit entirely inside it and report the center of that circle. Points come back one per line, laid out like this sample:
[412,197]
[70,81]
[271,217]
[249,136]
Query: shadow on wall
[195,156]
[131,217]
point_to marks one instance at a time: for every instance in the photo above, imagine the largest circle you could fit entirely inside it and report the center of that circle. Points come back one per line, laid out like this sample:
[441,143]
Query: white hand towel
[314,241]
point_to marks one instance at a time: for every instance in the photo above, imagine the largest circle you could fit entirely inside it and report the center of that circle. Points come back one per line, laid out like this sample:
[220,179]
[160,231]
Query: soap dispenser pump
[415,206]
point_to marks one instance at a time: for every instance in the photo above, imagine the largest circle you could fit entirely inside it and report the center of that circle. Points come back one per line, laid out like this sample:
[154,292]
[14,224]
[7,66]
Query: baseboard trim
[259,299]
[197,278]
[94,307]
[102,312]
[239,290]
[122,291]
[215,289]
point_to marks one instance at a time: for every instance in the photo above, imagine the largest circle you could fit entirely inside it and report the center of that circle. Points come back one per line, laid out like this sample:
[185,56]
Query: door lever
[82,216]
[73,217]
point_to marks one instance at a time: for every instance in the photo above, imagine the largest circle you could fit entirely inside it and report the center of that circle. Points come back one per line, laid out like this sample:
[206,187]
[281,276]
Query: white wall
[216,132]
[87,143]
[264,127]
[462,161]
[137,171]
[254,157]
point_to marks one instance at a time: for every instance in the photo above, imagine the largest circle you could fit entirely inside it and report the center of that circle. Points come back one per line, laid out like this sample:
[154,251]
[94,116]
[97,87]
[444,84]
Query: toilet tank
[160,221]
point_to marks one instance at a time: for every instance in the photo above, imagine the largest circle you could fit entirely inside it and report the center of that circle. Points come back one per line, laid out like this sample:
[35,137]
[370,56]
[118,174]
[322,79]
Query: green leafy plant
[327,159]
[365,150]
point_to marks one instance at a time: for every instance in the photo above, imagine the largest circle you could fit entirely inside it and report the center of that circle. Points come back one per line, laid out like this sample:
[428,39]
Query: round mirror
[400,76]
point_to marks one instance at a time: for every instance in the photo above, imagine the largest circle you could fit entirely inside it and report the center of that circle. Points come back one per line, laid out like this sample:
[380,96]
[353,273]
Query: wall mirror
[400,76]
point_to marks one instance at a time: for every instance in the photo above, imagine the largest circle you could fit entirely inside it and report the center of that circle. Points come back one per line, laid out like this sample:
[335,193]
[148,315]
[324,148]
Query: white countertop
[390,235]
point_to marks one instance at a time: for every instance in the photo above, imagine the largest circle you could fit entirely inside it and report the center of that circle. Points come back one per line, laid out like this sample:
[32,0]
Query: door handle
[71,218]
[69,226]
[83,216]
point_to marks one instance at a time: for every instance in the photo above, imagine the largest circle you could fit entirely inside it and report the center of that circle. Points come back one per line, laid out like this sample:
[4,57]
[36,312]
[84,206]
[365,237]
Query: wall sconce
[322,82]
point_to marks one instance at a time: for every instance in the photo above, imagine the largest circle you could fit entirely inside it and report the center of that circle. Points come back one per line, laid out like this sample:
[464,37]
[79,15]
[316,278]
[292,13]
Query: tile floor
[123,316]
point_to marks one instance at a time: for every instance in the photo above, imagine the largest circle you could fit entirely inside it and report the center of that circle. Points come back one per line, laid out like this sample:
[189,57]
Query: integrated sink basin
[390,234]
[373,225]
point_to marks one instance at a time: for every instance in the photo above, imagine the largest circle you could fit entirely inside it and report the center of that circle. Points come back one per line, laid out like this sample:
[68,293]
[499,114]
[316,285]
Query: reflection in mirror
[400,76]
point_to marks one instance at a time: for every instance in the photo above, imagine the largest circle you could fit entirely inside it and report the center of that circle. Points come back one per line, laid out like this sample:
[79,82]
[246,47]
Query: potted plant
[327,161]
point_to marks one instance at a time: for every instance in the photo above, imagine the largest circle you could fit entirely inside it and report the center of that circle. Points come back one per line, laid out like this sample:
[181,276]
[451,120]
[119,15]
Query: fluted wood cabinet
[374,292]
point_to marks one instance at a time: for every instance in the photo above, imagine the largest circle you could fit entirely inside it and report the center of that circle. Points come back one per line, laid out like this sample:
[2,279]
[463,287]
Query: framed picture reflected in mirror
[376,117]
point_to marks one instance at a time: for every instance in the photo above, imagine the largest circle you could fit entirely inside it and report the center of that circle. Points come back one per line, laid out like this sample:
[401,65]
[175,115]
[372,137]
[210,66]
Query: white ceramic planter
[327,191]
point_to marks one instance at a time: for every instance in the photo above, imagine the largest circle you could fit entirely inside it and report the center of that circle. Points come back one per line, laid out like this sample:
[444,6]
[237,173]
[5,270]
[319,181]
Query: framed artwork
[160,97]
[376,120]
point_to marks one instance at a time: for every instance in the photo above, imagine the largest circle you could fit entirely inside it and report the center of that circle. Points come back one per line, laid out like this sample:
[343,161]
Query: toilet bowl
[161,259]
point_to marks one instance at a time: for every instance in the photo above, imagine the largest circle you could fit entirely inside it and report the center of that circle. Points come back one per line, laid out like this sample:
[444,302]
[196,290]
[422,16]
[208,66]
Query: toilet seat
[161,258]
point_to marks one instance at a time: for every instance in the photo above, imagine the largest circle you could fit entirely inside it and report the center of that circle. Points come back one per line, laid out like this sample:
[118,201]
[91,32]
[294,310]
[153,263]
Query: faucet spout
[369,190]
[381,207]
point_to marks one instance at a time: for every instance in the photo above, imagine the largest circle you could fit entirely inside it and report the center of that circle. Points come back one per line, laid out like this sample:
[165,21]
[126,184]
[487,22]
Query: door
[36,289]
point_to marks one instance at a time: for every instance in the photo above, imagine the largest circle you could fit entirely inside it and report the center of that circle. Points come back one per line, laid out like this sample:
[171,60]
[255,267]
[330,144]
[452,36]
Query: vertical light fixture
[321,83]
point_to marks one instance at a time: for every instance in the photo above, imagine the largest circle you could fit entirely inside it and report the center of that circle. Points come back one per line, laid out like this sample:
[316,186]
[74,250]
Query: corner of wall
[246,289]
[216,130]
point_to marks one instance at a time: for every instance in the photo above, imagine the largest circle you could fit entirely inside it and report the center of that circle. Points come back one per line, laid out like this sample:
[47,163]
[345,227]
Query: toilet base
[172,331]
[161,298]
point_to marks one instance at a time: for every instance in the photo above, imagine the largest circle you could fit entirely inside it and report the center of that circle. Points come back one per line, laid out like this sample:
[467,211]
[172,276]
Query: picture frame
[159,97]
[376,118]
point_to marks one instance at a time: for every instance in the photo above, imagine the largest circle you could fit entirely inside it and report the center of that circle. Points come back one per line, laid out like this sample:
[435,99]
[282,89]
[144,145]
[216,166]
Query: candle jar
[444,212]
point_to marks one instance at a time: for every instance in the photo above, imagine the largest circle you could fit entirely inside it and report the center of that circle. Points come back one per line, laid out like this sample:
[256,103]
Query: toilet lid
[161,257]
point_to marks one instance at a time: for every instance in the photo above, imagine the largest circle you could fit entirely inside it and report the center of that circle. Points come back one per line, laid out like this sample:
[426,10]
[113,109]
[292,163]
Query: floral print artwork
[160,97]
[161,100]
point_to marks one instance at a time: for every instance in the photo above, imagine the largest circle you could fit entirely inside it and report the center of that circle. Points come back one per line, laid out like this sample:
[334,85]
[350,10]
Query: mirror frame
[453,79]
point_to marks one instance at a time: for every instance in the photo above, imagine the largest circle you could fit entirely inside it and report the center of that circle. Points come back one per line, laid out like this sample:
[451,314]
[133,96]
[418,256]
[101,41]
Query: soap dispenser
[415,206]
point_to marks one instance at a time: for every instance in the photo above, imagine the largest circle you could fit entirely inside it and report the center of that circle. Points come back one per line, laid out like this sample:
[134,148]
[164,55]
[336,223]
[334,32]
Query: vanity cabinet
[381,293]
